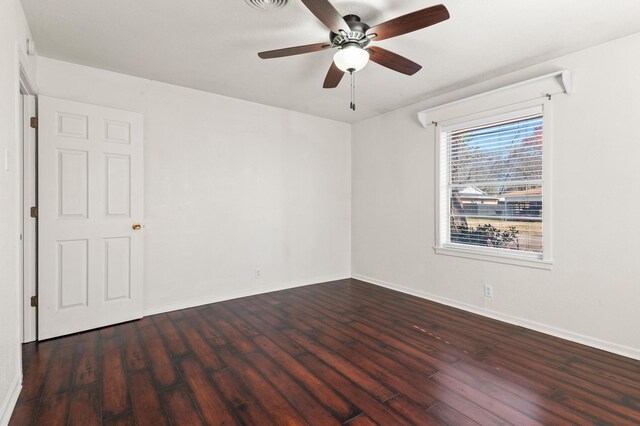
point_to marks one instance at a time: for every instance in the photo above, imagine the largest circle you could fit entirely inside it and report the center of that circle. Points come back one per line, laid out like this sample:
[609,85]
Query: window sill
[505,258]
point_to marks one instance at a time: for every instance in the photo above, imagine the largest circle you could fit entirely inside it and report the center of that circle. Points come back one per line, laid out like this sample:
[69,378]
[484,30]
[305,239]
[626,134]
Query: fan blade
[410,22]
[290,51]
[333,77]
[393,61]
[327,14]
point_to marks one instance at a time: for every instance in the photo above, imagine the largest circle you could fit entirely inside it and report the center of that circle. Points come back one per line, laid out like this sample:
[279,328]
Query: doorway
[28,208]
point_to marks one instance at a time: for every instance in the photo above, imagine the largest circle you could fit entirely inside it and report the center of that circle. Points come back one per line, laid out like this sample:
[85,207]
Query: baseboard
[6,409]
[215,298]
[532,325]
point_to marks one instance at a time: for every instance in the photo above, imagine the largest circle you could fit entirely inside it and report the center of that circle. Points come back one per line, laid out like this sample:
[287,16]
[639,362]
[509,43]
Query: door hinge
[34,212]
[34,301]
[33,122]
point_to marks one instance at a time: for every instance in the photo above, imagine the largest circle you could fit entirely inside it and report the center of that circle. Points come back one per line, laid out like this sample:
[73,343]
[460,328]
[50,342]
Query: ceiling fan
[352,37]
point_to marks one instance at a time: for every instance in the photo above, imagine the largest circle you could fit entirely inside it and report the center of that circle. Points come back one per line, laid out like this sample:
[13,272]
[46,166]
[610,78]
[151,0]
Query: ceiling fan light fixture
[351,58]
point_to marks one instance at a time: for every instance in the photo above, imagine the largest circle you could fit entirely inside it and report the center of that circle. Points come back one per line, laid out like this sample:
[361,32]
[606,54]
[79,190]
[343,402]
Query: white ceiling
[212,45]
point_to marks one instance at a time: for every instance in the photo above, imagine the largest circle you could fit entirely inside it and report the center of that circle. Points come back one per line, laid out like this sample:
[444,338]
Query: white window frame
[512,257]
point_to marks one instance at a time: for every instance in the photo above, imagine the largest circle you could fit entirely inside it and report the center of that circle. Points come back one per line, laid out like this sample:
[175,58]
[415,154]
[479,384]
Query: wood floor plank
[60,372]
[230,312]
[279,409]
[85,408]
[35,374]
[245,406]
[265,316]
[492,405]
[417,365]
[162,366]
[269,331]
[123,420]
[237,340]
[54,410]
[176,315]
[599,414]
[288,320]
[412,412]
[180,407]
[614,390]
[373,408]
[134,354]
[342,408]
[147,408]
[449,416]
[408,308]
[387,337]
[432,343]
[207,397]
[107,332]
[304,312]
[514,394]
[28,351]
[115,393]
[206,328]
[342,365]
[455,371]
[25,413]
[385,370]
[596,396]
[343,352]
[199,346]
[87,367]
[170,334]
[313,411]
[574,350]
[362,420]
[463,405]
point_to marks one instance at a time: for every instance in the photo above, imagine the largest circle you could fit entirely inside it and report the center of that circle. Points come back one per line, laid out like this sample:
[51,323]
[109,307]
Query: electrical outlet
[257,273]
[488,290]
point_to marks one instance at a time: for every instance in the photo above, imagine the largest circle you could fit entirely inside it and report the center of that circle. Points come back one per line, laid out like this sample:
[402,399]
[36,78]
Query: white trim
[9,404]
[442,207]
[26,82]
[593,342]
[215,298]
[28,161]
[497,257]
[565,79]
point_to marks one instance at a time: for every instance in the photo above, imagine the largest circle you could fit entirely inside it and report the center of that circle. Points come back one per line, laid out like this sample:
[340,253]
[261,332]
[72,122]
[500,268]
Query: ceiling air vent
[266,4]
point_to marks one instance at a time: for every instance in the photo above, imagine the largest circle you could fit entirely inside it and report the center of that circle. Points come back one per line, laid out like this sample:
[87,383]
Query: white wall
[592,294]
[230,186]
[14,32]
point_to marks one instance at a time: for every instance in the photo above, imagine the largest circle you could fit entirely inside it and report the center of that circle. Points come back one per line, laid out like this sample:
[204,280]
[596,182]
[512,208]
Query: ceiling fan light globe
[351,58]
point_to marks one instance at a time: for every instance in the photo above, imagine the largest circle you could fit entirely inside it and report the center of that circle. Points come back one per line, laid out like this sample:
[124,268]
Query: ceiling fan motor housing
[357,33]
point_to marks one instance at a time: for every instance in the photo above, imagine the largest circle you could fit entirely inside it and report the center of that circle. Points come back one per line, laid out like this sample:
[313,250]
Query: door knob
[136,227]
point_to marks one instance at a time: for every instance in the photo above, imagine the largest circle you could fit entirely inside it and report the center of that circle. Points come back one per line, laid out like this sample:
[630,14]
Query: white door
[90,189]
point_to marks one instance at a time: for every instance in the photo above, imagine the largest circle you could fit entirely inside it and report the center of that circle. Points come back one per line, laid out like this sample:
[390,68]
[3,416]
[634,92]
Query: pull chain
[353,90]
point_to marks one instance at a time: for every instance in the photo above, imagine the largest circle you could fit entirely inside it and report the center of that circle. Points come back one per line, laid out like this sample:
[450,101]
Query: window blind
[495,184]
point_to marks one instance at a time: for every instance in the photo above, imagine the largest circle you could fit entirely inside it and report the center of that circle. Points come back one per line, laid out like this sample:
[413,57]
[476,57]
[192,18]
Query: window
[491,197]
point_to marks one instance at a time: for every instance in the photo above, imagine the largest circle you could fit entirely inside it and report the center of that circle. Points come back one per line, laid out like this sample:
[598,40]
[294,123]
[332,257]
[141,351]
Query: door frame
[27,177]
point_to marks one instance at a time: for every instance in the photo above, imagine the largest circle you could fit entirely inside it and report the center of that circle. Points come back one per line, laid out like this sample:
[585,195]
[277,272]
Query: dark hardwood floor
[339,352]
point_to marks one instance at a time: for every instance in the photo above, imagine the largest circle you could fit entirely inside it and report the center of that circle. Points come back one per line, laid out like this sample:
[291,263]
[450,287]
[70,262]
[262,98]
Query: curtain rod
[565,76]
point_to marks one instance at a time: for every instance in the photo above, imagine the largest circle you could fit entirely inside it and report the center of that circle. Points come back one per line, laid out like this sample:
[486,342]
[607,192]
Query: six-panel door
[90,194]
